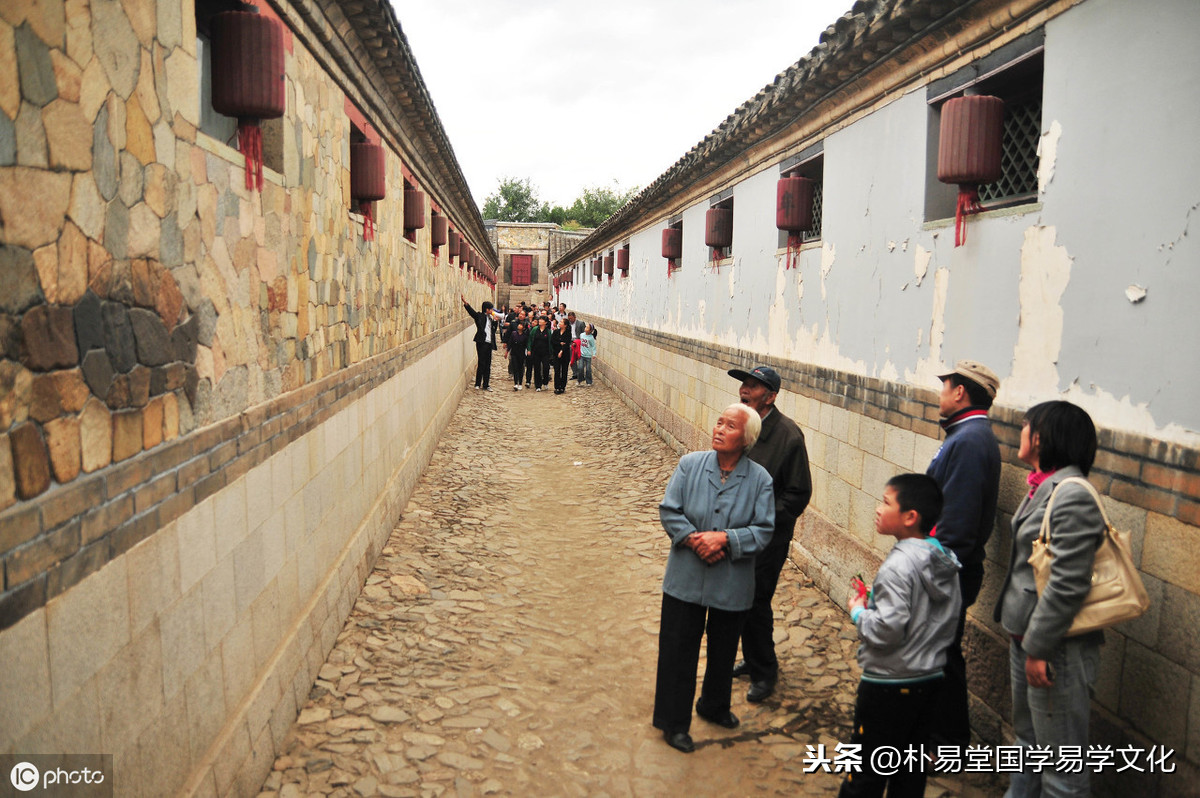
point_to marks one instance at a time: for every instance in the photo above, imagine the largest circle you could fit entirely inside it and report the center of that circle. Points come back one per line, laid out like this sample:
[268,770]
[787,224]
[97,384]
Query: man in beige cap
[967,469]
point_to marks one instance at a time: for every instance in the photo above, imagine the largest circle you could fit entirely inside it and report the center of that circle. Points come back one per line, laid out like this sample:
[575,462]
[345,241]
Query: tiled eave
[372,60]
[875,35]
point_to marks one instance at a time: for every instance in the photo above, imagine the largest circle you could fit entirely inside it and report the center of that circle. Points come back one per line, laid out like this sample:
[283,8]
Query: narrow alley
[505,643]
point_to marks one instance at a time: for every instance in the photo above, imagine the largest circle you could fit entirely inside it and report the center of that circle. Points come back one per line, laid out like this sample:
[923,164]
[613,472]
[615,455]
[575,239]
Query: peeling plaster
[777,314]
[827,257]
[1135,293]
[1125,415]
[889,372]
[1047,151]
[1045,273]
[921,263]
[929,367]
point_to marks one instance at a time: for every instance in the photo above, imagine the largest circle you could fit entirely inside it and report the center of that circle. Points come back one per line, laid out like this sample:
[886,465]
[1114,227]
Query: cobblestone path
[505,643]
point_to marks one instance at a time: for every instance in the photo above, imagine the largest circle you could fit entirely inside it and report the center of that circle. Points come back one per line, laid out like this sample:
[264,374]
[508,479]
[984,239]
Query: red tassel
[793,252]
[368,209]
[250,145]
[968,205]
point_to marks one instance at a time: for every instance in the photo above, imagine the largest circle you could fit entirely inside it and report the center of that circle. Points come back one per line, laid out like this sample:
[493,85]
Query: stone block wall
[214,400]
[860,431]
[221,577]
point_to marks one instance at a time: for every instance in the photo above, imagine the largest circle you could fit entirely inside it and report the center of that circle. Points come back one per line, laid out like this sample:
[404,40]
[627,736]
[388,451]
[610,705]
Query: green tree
[514,201]
[596,204]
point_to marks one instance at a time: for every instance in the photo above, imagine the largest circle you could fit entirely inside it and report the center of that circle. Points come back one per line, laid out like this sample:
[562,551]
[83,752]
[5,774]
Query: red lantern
[368,181]
[247,81]
[452,245]
[608,267]
[672,247]
[970,144]
[718,228]
[793,211]
[438,234]
[597,267]
[414,209]
[623,261]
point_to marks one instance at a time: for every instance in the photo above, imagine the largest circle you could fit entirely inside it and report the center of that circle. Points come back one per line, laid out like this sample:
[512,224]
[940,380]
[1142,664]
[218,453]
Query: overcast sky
[582,94]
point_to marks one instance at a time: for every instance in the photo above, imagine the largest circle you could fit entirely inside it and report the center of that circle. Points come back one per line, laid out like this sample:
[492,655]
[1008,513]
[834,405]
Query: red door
[521,268]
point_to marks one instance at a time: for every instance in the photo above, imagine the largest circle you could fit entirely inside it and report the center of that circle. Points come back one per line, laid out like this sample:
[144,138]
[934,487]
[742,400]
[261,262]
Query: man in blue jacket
[967,469]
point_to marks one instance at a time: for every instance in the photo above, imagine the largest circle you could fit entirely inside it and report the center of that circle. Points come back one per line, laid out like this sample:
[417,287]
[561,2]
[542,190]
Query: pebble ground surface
[506,641]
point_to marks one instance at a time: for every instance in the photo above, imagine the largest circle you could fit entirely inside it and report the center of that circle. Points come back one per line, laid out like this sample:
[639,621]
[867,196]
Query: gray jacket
[696,501]
[911,616]
[1076,529]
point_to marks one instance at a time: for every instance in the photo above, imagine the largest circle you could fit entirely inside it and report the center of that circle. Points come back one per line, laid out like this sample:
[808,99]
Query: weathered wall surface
[213,401]
[883,302]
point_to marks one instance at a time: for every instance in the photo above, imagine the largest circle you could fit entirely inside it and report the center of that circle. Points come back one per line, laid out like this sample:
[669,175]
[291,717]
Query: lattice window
[1019,160]
[814,232]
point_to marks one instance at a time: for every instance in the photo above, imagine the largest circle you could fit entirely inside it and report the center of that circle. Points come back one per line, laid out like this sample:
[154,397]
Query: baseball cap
[764,374]
[978,373]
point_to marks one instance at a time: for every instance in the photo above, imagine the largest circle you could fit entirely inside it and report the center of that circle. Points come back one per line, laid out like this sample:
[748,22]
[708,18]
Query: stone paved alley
[505,643]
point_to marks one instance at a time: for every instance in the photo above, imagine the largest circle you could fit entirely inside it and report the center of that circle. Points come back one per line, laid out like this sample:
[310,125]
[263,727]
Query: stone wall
[213,400]
[861,431]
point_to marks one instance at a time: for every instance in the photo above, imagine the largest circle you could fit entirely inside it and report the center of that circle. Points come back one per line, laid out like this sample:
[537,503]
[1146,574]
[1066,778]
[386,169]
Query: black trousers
[758,635]
[516,364]
[483,372]
[541,370]
[681,626]
[897,716]
[529,360]
[560,374]
[952,726]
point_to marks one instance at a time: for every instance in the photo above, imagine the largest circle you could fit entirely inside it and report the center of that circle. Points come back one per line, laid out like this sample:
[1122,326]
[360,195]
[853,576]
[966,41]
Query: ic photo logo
[24,776]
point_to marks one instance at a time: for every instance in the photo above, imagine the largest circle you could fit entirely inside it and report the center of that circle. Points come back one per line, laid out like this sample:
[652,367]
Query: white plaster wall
[1038,293]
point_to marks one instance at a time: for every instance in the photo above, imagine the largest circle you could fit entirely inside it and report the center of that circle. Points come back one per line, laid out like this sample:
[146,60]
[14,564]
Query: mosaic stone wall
[144,291]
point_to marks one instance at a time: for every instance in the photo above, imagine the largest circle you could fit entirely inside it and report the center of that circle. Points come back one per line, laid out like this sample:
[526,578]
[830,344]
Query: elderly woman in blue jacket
[1051,672]
[718,511]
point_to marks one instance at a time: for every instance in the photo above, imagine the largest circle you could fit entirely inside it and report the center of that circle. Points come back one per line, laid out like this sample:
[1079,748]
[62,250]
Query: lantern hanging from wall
[451,245]
[368,181]
[438,233]
[718,230]
[623,261]
[970,144]
[414,209]
[793,212]
[247,80]
[597,267]
[672,247]
[608,267]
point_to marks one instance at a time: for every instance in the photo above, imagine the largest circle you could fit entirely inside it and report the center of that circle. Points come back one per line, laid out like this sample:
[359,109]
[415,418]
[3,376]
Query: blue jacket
[696,501]
[967,469]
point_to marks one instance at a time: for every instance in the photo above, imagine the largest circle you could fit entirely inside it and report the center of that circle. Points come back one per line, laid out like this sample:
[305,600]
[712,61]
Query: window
[521,269]
[809,163]
[672,248]
[718,225]
[216,125]
[1014,74]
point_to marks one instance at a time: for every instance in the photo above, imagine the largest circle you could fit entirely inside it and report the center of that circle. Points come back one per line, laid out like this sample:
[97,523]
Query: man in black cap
[967,469]
[780,450]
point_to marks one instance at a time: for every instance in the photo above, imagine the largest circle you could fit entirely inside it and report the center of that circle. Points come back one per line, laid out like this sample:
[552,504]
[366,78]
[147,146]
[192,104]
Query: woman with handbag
[1052,671]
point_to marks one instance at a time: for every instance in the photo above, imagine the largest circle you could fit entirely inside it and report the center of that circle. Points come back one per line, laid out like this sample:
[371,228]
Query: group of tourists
[537,339]
[730,513]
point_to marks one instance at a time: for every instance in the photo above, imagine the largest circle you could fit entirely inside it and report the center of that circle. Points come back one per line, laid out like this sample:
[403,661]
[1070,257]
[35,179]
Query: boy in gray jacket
[905,624]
